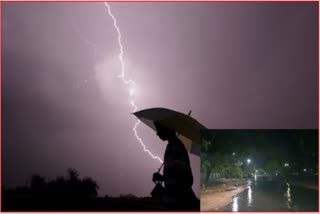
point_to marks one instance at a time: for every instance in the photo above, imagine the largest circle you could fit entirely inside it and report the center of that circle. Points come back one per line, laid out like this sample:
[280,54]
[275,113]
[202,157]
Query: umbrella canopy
[188,129]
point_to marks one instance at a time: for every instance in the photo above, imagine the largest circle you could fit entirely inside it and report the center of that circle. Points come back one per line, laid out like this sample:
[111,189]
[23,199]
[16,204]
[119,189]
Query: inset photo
[259,170]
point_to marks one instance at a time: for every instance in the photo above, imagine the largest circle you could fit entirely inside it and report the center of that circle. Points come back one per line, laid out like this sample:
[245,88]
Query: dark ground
[29,203]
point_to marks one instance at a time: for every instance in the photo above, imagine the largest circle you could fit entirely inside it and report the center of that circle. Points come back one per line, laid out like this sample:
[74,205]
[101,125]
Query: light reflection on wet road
[263,194]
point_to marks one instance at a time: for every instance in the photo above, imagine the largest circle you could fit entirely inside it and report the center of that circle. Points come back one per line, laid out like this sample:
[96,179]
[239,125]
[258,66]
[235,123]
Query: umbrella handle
[160,167]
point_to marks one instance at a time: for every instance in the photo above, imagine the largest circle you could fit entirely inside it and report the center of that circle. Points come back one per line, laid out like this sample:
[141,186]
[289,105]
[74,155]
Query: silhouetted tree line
[69,193]
[61,192]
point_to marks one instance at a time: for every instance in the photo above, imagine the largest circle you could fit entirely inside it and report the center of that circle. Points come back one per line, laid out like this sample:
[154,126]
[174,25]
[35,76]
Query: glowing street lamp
[286,165]
[248,160]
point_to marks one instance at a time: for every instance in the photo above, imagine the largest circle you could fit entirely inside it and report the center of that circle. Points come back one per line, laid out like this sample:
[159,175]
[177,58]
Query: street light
[233,153]
[248,160]
[286,165]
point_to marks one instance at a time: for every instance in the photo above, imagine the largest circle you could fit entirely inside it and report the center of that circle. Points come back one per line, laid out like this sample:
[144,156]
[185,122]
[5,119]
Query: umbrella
[188,129]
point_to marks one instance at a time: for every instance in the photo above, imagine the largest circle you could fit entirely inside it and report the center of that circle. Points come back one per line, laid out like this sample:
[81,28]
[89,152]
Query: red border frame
[302,1]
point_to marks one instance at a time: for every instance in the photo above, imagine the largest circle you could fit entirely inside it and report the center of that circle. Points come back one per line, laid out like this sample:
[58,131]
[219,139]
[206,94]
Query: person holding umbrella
[177,175]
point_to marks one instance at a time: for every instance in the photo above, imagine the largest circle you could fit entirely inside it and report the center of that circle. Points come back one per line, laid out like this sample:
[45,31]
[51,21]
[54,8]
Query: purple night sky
[235,65]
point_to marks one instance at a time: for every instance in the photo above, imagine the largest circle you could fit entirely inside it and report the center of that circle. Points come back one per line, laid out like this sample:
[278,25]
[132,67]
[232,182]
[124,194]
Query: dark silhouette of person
[177,174]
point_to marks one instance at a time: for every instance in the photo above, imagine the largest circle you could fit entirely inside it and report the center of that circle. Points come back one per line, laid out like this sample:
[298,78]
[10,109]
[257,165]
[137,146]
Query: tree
[38,184]
[89,187]
[272,166]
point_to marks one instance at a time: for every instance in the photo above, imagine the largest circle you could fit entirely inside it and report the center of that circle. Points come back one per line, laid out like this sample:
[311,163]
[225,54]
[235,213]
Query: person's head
[163,132]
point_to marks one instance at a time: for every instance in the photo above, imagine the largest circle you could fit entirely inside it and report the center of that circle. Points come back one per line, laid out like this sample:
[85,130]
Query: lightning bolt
[128,82]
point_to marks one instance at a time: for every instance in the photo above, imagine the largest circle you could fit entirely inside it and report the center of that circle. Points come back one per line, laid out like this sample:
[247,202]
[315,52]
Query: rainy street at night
[259,170]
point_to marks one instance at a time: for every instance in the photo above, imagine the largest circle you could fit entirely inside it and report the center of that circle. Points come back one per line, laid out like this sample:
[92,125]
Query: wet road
[267,194]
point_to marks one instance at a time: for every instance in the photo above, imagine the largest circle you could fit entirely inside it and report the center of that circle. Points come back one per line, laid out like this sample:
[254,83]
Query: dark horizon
[236,65]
